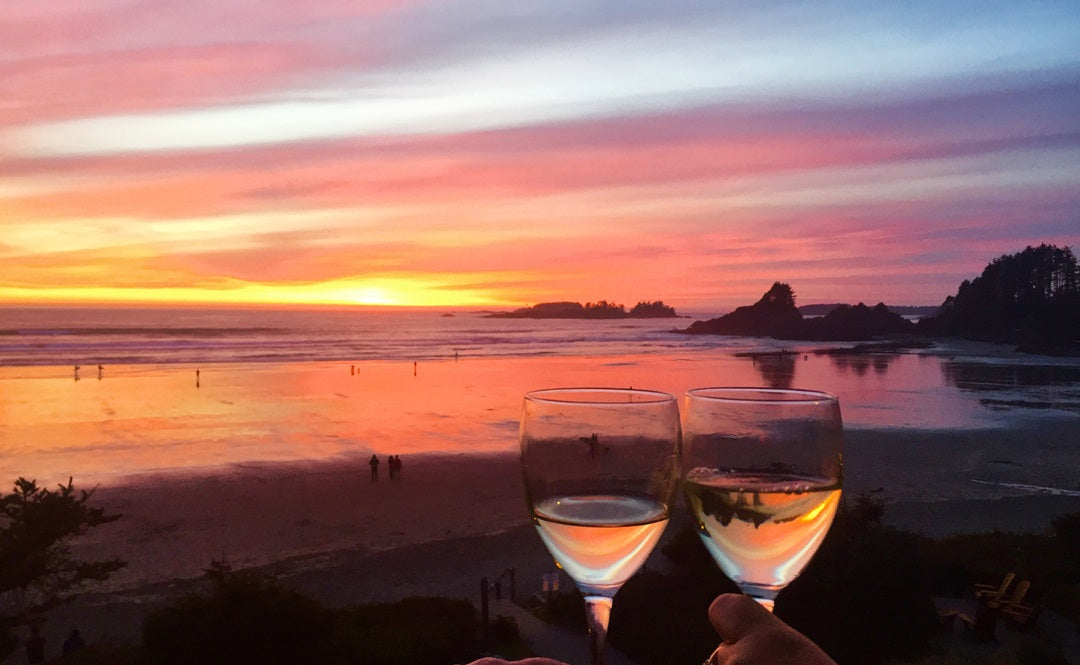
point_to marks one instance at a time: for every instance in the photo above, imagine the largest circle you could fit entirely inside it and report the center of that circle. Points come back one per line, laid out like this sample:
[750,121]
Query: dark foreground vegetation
[241,617]
[37,570]
[244,617]
[866,598]
[1031,299]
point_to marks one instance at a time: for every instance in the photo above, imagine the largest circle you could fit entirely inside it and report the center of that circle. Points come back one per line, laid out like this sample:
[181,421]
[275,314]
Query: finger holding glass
[600,467]
[762,479]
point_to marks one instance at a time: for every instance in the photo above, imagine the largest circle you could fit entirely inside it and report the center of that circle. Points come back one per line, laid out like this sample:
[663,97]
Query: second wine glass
[601,469]
[762,478]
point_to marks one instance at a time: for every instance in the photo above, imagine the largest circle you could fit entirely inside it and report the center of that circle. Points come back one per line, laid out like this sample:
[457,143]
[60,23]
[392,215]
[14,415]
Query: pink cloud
[104,83]
[103,57]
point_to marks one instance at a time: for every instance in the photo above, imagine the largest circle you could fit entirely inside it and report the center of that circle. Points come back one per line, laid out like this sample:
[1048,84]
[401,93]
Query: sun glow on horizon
[380,292]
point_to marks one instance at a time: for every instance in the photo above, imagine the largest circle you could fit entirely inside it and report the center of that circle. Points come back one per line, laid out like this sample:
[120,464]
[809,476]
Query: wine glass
[601,470]
[762,478]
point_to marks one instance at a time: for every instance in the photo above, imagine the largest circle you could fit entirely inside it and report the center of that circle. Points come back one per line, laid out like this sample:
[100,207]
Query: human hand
[527,661]
[754,636]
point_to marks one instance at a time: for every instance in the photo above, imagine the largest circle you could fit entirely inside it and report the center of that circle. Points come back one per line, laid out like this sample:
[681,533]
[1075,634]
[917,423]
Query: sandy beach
[256,514]
[328,530]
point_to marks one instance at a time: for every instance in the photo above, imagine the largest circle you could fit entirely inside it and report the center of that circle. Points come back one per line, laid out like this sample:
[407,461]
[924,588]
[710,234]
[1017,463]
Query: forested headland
[1031,299]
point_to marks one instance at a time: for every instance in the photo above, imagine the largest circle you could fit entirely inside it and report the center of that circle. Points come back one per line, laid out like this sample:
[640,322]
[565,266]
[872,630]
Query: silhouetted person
[394,465]
[74,642]
[352,370]
[196,378]
[100,372]
[414,368]
[77,368]
[374,462]
[35,646]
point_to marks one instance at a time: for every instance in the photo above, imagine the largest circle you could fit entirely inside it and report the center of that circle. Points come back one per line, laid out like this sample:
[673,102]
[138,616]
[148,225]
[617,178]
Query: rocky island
[775,315]
[591,310]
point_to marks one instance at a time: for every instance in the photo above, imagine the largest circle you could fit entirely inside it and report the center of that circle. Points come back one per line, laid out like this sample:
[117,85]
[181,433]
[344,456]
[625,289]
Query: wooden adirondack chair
[1020,616]
[988,592]
[1013,598]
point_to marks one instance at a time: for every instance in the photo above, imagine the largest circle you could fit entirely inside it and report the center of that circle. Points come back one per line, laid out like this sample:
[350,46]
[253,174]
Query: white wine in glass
[600,467]
[763,479]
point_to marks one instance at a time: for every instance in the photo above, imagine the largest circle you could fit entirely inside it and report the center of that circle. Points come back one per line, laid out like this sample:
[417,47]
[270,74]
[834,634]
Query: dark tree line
[1031,298]
[601,309]
[656,308]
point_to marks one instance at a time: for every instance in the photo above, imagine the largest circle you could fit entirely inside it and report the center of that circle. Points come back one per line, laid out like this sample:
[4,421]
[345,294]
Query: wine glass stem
[767,603]
[597,614]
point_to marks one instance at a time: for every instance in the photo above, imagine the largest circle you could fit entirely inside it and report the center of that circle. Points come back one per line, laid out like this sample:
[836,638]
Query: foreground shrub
[415,631]
[38,570]
[245,618]
[249,618]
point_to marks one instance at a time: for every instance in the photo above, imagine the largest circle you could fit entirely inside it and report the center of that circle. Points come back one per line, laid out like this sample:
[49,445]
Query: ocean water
[83,336]
[189,390]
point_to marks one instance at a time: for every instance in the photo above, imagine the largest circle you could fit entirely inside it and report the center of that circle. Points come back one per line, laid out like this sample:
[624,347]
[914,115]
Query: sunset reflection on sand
[143,418]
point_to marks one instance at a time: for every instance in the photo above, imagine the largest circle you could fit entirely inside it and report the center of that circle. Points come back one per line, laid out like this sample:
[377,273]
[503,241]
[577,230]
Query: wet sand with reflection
[146,418]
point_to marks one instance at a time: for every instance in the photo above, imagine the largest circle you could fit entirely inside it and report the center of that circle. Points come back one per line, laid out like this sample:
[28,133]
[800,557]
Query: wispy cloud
[519,153]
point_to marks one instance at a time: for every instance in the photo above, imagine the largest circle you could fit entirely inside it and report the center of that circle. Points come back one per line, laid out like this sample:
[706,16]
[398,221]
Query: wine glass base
[764,595]
[767,603]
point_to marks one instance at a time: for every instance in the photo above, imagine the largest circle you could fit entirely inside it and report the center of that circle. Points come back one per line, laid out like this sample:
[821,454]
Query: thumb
[734,616]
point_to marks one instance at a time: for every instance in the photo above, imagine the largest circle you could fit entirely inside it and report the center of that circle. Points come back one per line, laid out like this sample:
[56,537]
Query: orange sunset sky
[497,154]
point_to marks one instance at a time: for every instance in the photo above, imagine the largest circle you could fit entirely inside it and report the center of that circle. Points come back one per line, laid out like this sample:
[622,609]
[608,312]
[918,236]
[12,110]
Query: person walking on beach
[374,462]
[35,646]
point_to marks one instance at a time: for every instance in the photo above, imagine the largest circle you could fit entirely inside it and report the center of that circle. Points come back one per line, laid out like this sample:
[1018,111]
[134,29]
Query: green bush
[415,631]
[245,619]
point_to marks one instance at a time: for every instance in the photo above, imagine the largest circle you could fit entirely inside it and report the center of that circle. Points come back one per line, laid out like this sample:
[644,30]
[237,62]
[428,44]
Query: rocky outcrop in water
[775,315]
[590,310]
